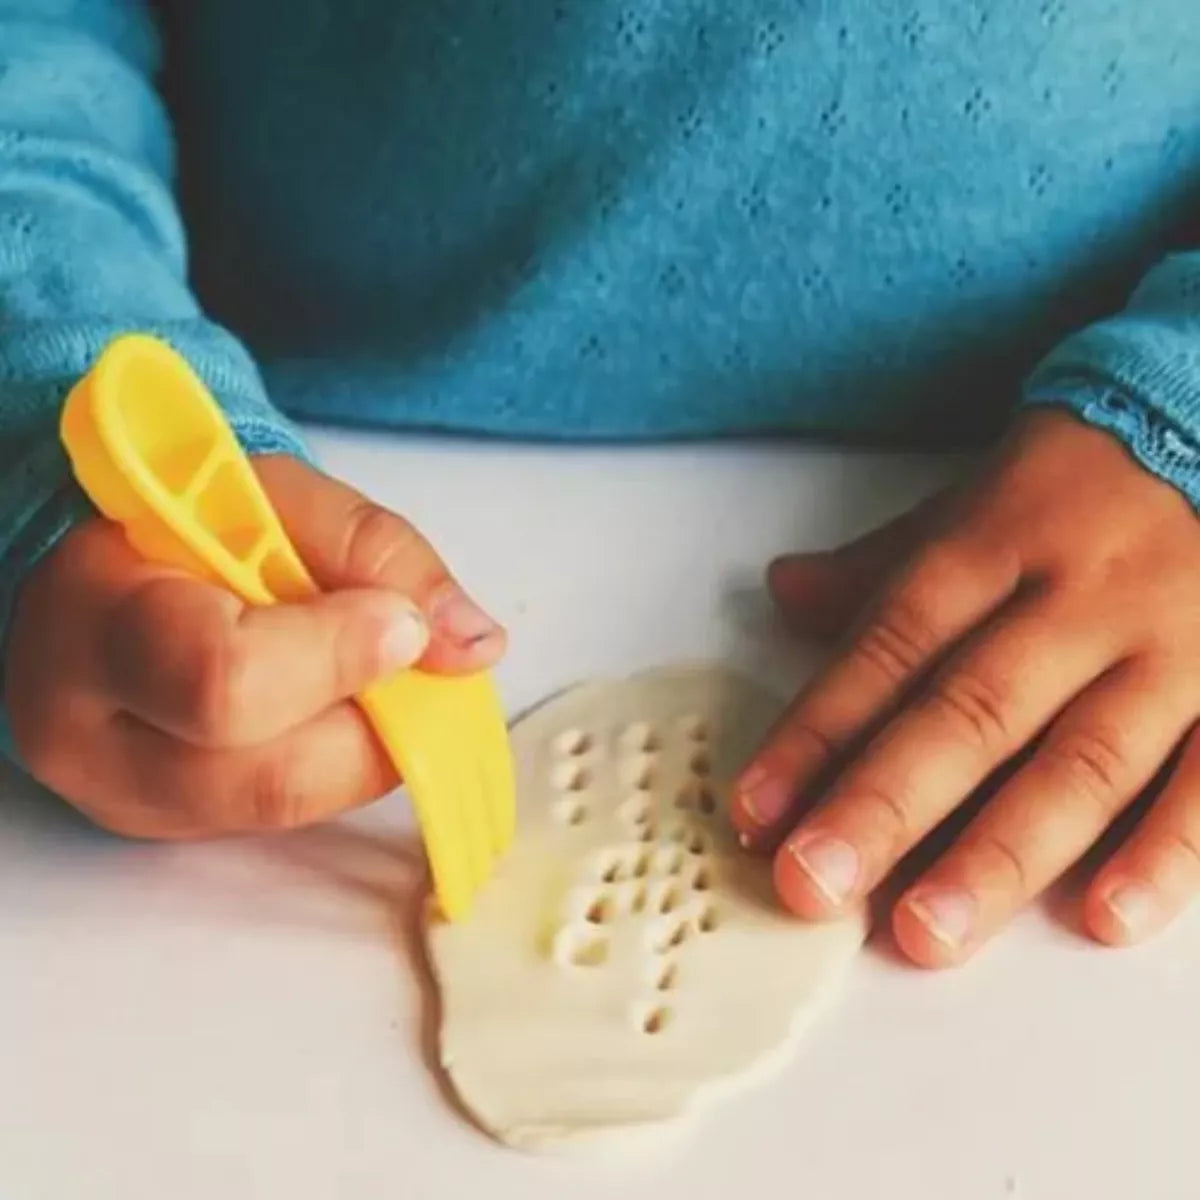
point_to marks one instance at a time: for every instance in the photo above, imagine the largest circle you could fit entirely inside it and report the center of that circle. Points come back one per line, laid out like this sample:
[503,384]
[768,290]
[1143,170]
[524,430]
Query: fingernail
[762,798]
[405,638]
[460,619]
[1134,907]
[829,862]
[946,912]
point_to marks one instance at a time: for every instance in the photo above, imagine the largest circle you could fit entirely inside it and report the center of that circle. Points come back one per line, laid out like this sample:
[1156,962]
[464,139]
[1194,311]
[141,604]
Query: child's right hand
[163,707]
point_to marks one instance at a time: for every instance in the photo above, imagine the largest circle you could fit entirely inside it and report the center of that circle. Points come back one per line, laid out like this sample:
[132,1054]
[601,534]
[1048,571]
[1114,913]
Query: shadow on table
[247,880]
[388,871]
[301,880]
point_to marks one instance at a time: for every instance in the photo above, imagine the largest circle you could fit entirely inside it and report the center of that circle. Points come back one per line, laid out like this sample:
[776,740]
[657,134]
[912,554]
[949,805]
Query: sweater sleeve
[91,245]
[1137,374]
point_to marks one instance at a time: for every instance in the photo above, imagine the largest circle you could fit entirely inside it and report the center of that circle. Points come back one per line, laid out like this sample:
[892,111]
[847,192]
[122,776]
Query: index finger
[192,660]
[935,600]
[348,541]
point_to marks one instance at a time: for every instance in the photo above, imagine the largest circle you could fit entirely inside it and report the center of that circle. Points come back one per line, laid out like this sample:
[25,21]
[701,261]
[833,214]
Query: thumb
[820,593]
[347,541]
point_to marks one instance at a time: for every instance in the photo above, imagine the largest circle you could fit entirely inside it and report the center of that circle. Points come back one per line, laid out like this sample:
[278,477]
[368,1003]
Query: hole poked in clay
[668,935]
[693,727]
[612,866]
[700,764]
[601,911]
[635,811]
[581,947]
[570,777]
[697,797]
[638,773]
[639,738]
[667,978]
[653,1019]
[570,812]
[708,920]
[687,836]
[572,743]
[702,880]
[648,833]
[619,863]
[668,899]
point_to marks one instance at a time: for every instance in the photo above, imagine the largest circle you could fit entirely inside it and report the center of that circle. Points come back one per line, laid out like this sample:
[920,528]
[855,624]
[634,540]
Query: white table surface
[247,1019]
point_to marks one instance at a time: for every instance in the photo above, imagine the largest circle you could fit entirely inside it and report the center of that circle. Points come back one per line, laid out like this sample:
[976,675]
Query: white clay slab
[628,959]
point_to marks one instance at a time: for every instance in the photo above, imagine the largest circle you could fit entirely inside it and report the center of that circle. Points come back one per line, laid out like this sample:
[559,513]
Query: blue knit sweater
[604,218]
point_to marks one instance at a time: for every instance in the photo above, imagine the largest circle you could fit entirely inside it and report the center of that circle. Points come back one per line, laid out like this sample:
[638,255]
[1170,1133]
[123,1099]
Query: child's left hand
[1051,604]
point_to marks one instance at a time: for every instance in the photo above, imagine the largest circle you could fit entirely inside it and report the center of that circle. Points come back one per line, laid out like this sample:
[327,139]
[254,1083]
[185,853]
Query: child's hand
[1054,601]
[163,707]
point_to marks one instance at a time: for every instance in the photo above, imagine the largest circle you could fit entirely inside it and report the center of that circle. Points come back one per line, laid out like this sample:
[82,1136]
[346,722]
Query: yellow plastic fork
[153,451]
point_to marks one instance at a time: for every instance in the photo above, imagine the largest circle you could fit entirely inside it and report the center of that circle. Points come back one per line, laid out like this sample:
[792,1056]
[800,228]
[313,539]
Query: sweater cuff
[1137,377]
[1165,449]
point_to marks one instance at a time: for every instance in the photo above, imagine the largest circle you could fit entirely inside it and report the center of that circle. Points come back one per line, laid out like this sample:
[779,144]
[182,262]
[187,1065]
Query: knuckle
[374,541]
[940,567]
[217,696]
[1094,763]
[999,851]
[276,797]
[952,564]
[202,793]
[135,627]
[1180,843]
[886,809]
[899,641]
[905,635]
[803,742]
[974,706]
[353,654]
[180,657]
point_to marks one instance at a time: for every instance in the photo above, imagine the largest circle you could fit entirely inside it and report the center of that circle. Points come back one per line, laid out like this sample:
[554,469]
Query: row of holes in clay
[637,772]
[653,1017]
[573,780]
[696,796]
[636,812]
[666,898]
[572,811]
[634,862]
[640,737]
[667,860]
[587,945]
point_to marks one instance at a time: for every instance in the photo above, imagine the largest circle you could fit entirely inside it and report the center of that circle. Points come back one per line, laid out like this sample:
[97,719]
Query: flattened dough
[627,960]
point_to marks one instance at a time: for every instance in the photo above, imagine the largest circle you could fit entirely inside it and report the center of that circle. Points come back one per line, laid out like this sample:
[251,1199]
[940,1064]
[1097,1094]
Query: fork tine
[498,783]
[449,867]
[443,733]
[473,819]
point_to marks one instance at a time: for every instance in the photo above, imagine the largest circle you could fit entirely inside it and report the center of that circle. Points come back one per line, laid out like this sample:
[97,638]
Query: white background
[248,1019]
